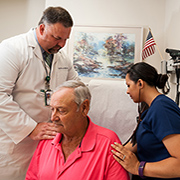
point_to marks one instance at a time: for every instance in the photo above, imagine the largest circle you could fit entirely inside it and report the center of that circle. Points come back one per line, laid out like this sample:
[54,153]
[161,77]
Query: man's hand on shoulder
[43,130]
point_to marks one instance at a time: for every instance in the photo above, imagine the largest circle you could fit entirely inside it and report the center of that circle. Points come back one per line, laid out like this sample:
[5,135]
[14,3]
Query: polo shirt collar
[88,141]
[56,140]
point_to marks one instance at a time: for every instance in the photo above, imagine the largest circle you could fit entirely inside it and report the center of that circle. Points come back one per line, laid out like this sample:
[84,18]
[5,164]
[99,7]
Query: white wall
[172,34]
[172,24]
[120,13]
[162,16]
[18,16]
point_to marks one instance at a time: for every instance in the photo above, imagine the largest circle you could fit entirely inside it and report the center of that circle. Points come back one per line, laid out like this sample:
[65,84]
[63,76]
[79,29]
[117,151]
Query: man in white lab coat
[26,83]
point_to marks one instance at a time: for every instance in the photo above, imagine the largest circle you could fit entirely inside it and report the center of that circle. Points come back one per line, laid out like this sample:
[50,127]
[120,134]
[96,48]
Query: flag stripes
[149,46]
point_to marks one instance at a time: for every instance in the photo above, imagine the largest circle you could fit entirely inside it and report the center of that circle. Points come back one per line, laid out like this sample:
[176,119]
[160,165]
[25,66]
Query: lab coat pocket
[62,74]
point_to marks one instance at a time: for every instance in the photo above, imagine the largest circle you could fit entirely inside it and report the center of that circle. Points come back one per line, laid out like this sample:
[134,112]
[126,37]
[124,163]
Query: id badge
[47,96]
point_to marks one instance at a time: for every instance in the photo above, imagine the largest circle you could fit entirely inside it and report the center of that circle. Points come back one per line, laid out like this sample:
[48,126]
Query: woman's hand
[131,147]
[126,158]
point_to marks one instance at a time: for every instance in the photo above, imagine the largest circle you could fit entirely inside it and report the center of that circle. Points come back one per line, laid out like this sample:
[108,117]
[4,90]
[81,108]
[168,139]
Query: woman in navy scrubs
[154,150]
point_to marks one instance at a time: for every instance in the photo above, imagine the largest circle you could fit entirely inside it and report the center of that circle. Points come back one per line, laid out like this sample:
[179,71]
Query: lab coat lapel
[33,43]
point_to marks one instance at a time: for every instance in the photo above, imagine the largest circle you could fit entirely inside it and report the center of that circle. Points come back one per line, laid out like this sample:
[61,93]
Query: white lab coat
[22,76]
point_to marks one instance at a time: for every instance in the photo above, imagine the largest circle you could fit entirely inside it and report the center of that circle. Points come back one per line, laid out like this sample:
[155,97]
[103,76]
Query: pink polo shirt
[92,160]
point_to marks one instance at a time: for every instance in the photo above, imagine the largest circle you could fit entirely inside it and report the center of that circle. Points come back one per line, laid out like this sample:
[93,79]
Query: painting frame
[135,32]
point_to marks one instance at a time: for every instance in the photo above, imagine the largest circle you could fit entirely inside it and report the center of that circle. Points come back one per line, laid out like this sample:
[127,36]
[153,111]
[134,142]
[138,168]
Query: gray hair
[81,91]
[53,15]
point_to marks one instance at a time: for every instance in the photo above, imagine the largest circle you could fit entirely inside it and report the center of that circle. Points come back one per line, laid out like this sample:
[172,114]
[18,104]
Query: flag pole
[156,44]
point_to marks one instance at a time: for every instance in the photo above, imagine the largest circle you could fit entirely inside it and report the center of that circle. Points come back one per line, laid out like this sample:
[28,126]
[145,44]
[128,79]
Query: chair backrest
[112,108]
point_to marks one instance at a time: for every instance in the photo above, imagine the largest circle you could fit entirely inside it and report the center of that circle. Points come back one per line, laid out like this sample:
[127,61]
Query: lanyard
[48,77]
[47,91]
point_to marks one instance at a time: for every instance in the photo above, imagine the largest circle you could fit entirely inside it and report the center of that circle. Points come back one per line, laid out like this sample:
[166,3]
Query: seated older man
[81,149]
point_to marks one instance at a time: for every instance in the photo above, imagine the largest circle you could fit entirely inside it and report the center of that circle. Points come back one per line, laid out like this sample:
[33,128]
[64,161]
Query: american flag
[149,46]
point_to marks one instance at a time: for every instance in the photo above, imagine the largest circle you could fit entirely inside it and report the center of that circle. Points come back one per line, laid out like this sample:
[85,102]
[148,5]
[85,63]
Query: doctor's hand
[126,158]
[43,131]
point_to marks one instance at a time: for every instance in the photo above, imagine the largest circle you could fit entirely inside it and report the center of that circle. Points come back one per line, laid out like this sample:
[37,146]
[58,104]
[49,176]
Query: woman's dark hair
[148,74]
[53,15]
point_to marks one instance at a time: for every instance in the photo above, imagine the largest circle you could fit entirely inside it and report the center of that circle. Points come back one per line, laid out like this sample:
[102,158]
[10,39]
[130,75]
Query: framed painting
[104,52]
